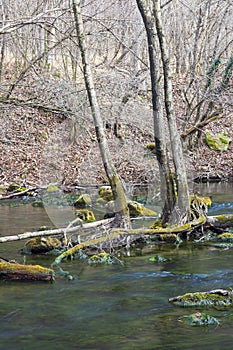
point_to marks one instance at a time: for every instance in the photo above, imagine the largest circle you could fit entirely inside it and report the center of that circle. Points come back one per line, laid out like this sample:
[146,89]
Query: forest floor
[34,144]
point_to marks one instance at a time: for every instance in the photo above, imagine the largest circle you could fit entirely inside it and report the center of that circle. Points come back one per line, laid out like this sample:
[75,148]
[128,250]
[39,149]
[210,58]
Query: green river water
[115,307]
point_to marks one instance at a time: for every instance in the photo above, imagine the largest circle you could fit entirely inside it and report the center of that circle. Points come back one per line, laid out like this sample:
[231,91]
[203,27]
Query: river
[115,307]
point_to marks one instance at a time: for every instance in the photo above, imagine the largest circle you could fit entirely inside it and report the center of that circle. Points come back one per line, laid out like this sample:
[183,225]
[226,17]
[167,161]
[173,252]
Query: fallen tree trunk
[16,272]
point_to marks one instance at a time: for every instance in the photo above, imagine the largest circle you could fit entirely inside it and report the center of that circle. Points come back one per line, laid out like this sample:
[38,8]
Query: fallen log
[20,272]
[59,231]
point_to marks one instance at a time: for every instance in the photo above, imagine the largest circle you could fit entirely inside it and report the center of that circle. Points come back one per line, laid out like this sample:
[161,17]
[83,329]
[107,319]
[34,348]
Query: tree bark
[121,209]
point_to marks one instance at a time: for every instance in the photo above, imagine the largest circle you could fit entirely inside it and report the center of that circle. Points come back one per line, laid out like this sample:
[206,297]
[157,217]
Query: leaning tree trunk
[168,192]
[121,209]
[182,211]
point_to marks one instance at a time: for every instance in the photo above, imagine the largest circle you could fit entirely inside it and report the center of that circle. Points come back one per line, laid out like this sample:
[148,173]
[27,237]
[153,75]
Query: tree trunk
[167,185]
[174,186]
[122,213]
[182,212]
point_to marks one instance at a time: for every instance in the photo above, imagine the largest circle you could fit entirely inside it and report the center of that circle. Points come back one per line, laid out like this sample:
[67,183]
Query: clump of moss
[104,258]
[15,187]
[158,259]
[105,192]
[85,215]
[226,237]
[218,142]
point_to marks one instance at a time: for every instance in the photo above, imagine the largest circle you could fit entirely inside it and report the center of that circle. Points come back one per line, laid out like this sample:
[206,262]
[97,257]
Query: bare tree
[121,208]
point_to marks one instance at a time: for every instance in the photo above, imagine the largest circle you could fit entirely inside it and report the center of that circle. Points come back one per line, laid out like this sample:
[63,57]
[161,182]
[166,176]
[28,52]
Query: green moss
[85,215]
[15,187]
[226,237]
[6,267]
[103,258]
[105,192]
[218,142]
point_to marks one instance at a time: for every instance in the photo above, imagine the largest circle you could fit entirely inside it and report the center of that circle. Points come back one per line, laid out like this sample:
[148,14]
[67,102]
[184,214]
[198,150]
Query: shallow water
[113,307]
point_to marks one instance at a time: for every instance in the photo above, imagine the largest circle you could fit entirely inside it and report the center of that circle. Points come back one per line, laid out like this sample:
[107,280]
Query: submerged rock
[199,319]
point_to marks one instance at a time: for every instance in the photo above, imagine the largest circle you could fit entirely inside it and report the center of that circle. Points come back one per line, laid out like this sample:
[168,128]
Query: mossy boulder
[218,142]
[105,192]
[85,215]
[83,201]
[218,297]
[41,245]
[137,209]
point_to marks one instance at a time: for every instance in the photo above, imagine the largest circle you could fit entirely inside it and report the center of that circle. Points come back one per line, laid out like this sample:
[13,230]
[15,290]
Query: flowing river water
[116,306]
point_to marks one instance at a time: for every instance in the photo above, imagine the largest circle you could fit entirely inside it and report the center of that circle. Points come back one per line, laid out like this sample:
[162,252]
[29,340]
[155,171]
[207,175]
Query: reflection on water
[112,307]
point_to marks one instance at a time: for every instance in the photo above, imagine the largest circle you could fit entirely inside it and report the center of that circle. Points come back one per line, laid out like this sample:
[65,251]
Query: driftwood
[16,272]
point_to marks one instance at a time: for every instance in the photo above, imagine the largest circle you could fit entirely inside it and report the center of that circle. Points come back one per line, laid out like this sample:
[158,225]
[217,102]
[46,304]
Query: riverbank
[39,147]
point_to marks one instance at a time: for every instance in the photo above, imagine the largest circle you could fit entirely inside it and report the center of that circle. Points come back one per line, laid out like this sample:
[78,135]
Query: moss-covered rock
[41,245]
[83,201]
[138,209]
[218,297]
[85,215]
[226,237]
[218,142]
[105,192]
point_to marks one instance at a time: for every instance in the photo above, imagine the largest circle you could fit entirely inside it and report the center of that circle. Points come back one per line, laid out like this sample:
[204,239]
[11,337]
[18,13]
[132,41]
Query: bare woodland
[45,68]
